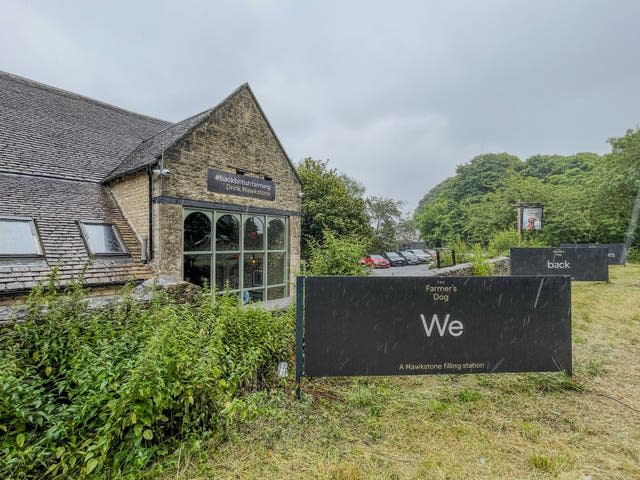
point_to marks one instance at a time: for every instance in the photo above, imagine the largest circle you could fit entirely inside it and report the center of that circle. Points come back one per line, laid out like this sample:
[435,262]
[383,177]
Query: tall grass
[494,426]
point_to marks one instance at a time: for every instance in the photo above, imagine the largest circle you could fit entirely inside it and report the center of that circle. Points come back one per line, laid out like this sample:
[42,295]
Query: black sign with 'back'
[242,185]
[590,264]
[617,252]
[433,325]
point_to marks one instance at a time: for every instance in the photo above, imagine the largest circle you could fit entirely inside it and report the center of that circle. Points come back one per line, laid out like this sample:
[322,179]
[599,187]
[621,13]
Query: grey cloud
[409,87]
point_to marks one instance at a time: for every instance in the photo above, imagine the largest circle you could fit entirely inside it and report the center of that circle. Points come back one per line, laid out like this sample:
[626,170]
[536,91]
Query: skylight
[102,238]
[19,237]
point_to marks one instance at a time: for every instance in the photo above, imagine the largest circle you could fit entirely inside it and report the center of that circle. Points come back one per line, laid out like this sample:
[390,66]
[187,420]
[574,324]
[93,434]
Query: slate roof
[55,149]
[151,149]
[56,206]
[51,132]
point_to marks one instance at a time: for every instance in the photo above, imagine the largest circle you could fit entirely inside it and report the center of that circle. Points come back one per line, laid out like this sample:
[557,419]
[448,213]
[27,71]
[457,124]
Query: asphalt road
[421,270]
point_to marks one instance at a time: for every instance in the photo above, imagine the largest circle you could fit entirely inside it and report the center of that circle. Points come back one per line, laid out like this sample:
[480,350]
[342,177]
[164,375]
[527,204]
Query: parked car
[410,257]
[375,261]
[395,259]
[423,256]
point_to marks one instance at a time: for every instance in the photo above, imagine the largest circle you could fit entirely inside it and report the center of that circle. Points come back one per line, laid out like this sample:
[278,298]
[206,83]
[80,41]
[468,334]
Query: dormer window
[102,238]
[19,238]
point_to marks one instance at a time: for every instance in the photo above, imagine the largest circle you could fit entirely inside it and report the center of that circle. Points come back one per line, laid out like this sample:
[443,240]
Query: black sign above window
[240,185]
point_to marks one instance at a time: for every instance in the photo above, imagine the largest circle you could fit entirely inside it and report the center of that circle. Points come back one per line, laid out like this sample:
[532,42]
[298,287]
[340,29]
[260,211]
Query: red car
[375,261]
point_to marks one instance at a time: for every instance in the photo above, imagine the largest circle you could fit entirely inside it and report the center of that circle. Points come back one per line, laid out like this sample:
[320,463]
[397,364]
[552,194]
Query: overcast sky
[395,94]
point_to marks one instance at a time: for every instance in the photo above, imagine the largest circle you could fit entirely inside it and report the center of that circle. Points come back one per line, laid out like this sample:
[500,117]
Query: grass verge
[447,427]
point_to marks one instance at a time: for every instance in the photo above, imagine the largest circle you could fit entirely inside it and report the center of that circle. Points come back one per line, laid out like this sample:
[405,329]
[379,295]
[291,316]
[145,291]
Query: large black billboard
[617,252]
[589,264]
[434,325]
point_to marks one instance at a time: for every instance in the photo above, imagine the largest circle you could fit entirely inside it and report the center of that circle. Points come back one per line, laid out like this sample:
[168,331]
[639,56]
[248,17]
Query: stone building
[89,187]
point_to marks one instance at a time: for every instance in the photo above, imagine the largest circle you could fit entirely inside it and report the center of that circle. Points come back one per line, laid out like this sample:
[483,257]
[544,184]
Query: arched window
[275,234]
[228,233]
[197,232]
[254,233]
[249,257]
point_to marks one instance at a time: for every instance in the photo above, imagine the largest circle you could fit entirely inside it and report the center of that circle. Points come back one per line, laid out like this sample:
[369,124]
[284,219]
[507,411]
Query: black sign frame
[582,264]
[240,185]
[617,252]
[331,309]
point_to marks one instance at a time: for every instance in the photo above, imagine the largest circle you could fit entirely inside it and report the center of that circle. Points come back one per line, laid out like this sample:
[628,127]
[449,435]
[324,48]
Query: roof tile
[60,205]
[50,132]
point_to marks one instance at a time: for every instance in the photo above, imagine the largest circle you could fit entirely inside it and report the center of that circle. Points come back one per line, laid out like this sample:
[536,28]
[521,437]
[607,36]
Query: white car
[423,256]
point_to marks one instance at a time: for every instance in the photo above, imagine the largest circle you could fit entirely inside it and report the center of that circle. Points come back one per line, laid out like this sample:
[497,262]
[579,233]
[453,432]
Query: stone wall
[180,291]
[132,195]
[167,239]
[294,251]
[235,137]
[500,268]
[9,302]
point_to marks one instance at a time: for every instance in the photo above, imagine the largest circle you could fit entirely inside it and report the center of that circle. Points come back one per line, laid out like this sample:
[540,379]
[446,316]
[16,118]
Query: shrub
[336,256]
[461,249]
[99,394]
[502,241]
[480,262]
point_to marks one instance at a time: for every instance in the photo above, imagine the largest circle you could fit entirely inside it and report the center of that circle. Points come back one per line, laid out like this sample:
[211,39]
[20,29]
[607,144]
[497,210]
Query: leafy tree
[386,216]
[627,151]
[329,204]
[546,167]
[494,211]
[354,187]
[483,174]
[407,231]
[437,216]
[337,256]
[587,197]
[435,192]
